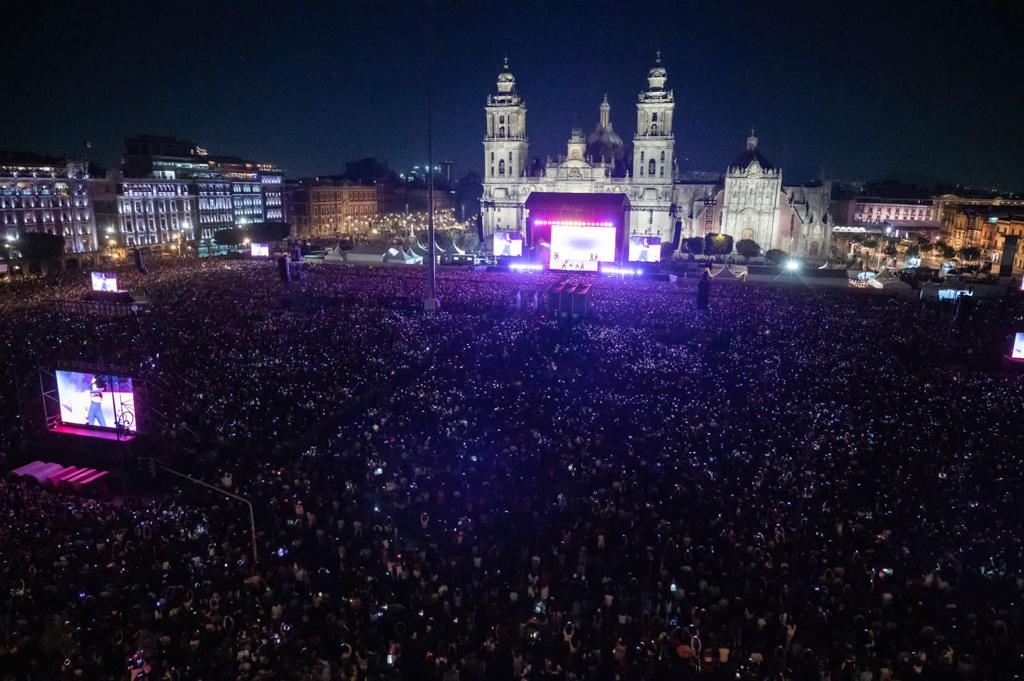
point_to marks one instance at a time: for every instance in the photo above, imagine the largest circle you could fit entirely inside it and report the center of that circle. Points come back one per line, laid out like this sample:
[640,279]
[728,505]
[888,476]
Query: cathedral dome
[604,144]
[750,155]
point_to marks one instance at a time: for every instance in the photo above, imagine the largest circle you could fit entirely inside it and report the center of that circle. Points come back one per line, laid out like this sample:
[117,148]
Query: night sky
[868,90]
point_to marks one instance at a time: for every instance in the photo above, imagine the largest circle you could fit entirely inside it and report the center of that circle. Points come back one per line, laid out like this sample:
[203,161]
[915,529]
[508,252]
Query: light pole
[252,514]
[430,303]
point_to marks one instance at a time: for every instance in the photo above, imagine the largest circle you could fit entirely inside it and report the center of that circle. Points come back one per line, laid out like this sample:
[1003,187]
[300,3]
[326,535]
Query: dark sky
[866,89]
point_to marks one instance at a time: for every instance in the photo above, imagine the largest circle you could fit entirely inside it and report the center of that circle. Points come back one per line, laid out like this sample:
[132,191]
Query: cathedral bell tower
[505,145]
[652,145]
[505,156]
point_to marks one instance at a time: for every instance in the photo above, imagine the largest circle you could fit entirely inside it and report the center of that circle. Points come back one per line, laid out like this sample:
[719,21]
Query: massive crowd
[794,484]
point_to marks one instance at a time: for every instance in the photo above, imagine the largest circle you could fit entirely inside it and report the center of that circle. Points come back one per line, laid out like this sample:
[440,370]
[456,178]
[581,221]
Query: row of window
[43,201]
[150,190]
[214,204]
[11,217]
[215,218]
[159,206]
[652,168]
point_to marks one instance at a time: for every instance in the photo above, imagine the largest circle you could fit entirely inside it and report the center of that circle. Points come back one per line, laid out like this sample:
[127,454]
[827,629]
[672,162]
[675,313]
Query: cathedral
[748,201]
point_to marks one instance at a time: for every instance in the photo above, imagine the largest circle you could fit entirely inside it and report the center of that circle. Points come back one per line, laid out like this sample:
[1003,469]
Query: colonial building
[230,192]
[322,207]
[986,227]
[749,201]
[156,213]
[53,195]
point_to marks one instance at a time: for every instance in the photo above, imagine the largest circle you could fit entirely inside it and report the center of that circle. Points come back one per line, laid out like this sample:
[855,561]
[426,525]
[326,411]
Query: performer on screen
[96,389]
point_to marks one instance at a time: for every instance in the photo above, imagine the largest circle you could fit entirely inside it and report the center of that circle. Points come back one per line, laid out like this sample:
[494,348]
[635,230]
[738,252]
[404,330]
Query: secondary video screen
[644,248]
[259,250]
[97,400]
[508,244]
[104,281]
[1018,346]
[581,249]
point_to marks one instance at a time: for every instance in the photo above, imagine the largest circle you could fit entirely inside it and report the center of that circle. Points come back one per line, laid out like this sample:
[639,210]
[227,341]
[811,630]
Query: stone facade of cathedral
[749,201]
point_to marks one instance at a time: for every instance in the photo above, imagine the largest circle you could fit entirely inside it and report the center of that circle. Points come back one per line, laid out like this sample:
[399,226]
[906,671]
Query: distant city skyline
[868,92]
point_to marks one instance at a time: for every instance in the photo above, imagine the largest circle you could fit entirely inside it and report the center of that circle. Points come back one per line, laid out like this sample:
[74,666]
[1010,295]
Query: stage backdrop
[576,232]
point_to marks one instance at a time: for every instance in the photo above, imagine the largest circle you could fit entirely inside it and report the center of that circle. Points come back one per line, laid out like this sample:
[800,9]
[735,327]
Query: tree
[970,253]
[924,245]
[945,250]
[870,242]
[268,232]
[693,245]
[40,247]
[747,248]
[890,248]
[718,244]
[228,237]
[776,255]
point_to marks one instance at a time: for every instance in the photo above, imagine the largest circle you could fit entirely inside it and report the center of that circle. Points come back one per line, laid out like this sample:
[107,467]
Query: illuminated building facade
[749,201]
[156,212]
[230,192]
[322,207]
[985,228]
[46,194]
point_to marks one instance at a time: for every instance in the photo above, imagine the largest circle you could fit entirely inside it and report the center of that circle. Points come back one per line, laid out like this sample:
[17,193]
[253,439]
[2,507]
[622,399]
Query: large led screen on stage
[259,250]
[644,248]
[580,249]
[104,281]
[508,244]
[96,400]
[1018,346]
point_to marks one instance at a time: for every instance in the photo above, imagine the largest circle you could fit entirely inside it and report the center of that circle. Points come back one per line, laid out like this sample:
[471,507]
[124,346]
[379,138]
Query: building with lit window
[214,207]
[229,192]
[272,180]
[47,194]
[325,207]
[898,217]
[156,213]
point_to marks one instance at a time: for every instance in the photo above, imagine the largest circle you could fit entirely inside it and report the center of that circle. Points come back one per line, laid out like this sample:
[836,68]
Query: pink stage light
[573,223]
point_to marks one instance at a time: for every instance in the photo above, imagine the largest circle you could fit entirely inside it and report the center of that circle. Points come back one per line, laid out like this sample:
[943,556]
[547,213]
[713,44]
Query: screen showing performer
[259,250]
[581,249]
[1018,346]
[97,400]
[104,281]
[644,248]
[508,244]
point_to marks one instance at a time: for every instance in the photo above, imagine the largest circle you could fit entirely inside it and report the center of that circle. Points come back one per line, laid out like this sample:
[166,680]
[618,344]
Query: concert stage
[93,432]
